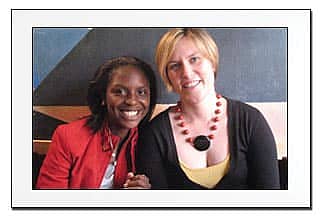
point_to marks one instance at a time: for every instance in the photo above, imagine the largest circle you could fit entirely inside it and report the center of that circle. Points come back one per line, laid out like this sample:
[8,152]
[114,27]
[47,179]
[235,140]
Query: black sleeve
[149,160]
[262,156]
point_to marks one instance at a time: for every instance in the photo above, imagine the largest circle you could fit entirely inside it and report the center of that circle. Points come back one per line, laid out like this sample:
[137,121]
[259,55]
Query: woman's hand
[137,182]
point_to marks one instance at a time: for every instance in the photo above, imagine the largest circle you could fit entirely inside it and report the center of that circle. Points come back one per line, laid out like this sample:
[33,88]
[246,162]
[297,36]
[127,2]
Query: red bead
[185,132]
[182,124]
[218,111]
[216,119]
[214,127]
[218,103]
[179,117]
[211,136]
[173,108]
[189,140]
[219,96]
[178,109]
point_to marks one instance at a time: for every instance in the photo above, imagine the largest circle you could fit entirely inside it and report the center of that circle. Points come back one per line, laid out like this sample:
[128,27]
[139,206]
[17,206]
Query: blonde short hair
[167,43]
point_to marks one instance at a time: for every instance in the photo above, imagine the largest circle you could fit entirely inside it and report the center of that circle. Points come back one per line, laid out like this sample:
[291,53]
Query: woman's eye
[142,92]
[194,59]
[120,92]
[173,67]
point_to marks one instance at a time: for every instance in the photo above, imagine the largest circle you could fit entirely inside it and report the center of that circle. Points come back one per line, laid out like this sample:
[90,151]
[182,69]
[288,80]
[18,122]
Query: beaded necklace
[200,142]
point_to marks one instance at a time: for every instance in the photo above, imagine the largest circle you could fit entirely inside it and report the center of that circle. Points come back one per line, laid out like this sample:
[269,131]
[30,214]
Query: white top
[107,181]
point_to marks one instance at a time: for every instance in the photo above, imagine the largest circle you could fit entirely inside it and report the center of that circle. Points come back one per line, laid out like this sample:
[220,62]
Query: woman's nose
[186,70]
[131,99]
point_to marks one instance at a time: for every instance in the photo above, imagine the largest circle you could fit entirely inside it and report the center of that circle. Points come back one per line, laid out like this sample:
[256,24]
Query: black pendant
[201,143]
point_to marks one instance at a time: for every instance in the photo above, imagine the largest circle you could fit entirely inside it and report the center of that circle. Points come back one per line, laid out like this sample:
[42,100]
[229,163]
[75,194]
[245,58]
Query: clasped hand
[137,182]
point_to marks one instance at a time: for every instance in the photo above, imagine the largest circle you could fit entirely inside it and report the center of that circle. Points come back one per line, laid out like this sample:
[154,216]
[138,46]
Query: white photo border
[299,190]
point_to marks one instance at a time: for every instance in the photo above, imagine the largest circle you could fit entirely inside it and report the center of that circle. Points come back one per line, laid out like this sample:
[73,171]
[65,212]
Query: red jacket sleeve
[54,172]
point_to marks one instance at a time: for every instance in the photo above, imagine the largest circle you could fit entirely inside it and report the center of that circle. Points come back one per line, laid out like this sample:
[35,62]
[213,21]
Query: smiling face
[190,73]
[128,99]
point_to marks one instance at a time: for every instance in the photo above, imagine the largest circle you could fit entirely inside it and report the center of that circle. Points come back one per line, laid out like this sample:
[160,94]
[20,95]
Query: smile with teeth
[191,84]
[129,114]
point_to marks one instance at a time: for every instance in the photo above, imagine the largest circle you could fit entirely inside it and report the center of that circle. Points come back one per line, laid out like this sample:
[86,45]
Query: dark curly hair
[98,86]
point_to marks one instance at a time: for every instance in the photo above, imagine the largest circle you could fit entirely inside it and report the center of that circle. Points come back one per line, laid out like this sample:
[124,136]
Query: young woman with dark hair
[97,152]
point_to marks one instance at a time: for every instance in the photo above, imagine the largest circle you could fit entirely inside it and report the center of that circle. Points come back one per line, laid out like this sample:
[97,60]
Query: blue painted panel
[253,63]
[50,46]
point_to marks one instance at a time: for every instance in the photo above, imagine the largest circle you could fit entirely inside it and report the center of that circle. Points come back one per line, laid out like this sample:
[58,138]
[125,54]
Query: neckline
[227,158]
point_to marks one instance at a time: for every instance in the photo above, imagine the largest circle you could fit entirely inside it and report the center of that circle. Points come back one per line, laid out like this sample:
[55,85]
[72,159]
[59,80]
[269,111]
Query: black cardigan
[253,155]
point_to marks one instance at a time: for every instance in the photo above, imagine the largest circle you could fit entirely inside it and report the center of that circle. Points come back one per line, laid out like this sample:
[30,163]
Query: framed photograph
[265,61]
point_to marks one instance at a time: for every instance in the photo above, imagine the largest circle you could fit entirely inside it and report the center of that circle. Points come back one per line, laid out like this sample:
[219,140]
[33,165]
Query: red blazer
[75,159]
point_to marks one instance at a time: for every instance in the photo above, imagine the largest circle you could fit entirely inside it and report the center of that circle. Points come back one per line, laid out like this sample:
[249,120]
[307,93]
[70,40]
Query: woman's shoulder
[237,106]
[159,122]
[160,118]
[74,127]
[239,111]
[74,136]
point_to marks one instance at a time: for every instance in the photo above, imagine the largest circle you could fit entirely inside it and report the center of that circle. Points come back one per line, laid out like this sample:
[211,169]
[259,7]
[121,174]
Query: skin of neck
[121,132]
[200,111]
